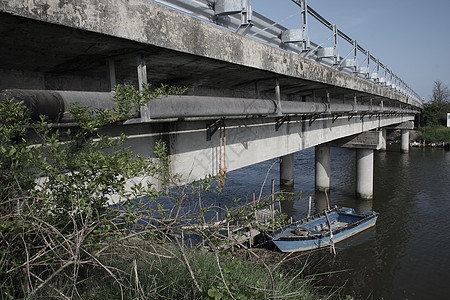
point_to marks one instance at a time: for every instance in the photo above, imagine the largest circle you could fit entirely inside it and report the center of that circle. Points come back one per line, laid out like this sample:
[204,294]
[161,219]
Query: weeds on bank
[60,237]
[219,276]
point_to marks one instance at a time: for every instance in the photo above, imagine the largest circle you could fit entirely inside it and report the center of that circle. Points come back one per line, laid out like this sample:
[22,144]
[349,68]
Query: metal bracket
[362,116]
[280,122]
[244,29]
[336,116]
[231,7]
[351,115]
[313,118]
[213,128]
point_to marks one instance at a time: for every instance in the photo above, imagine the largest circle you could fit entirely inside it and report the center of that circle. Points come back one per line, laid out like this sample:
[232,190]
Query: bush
[55,187]
[58,235]
[435,133]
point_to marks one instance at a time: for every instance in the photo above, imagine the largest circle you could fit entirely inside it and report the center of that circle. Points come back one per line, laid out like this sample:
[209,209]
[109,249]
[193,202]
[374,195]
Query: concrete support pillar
[383,139]
[287,170]
[323,168]
[404,145]
[364,173]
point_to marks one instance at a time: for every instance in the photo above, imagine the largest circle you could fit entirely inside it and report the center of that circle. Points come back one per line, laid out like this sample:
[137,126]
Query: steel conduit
[53,104]
[198,106]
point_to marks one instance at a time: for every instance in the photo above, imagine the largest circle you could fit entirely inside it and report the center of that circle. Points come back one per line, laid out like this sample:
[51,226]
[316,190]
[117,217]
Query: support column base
[322,188]
[286,183]
[287,170]
[323,168]
[364,173]
[404,145]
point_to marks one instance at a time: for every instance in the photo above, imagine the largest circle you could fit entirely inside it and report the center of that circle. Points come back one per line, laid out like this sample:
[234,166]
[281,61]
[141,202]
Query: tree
[441,93]
[54,192]
[435,111]
[58,234]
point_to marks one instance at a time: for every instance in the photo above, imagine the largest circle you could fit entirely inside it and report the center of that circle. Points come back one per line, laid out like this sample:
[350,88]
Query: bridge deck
[51,44]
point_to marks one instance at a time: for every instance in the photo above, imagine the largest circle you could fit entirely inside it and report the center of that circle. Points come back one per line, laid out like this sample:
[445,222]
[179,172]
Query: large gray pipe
[54,104]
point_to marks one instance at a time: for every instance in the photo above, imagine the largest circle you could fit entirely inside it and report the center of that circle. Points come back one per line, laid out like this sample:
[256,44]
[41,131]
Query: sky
[412,38]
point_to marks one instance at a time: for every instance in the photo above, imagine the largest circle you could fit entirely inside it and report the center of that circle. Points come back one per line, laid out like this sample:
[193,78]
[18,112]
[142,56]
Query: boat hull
[291,243]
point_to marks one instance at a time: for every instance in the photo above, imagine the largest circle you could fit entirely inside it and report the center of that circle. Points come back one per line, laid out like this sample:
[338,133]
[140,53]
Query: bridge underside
[67,46]
[248,140]
[91,45]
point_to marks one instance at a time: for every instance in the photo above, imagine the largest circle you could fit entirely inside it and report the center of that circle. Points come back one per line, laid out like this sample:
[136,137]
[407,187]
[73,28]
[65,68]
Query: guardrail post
[355,56]
[306,42]
[335,46]
[368,65]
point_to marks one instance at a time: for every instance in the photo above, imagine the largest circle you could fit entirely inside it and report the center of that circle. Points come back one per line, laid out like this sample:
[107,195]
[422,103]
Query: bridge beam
[366,140]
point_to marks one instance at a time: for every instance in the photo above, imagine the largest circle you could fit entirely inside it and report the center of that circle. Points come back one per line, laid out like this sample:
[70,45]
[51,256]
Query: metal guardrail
[238,16]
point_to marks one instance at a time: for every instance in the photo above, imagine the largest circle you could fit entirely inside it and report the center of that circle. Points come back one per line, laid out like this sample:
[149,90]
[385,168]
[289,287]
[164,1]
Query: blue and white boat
[314,232]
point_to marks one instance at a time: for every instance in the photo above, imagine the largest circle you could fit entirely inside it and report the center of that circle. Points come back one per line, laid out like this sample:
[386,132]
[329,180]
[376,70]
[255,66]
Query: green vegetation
[435,111]
[58,235]
[434,115]
[435,133]
[217,276]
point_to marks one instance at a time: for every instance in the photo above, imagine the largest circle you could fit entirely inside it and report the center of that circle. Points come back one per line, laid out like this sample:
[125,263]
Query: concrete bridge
[256,90]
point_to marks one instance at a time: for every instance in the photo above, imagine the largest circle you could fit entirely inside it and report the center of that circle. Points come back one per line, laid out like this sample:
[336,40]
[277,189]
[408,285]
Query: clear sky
[410,37]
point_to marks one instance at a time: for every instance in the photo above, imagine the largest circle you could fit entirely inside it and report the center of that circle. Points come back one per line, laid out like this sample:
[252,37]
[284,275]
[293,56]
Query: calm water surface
[407,255]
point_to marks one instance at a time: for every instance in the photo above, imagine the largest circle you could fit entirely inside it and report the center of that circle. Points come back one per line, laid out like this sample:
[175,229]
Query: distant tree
[441,93]
[435,111]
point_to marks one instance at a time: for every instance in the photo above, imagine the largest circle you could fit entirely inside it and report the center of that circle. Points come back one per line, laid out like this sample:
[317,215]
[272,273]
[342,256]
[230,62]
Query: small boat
[314,232]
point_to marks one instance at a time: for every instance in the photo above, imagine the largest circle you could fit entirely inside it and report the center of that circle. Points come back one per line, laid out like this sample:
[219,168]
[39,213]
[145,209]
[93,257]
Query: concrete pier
[383,139]
[364,173]
[404,145]
[323,167]
[287,170]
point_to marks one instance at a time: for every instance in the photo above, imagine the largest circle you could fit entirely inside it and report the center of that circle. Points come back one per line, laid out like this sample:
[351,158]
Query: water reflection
[405,255]
[363,205]
[320,201]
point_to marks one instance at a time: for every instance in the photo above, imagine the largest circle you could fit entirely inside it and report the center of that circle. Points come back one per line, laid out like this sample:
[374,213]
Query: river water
[406,255]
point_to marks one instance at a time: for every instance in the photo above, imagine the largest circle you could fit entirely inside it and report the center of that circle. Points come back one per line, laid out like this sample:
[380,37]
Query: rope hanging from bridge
[222,144]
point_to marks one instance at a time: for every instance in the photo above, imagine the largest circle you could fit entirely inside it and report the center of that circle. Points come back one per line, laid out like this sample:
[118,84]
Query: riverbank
[174,272]
[437,136]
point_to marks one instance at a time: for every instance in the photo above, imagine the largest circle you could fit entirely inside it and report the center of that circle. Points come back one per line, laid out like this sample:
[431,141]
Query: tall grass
[219,276]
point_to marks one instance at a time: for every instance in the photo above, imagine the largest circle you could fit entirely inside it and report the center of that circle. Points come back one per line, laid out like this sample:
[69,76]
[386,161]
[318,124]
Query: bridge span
[255,90]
